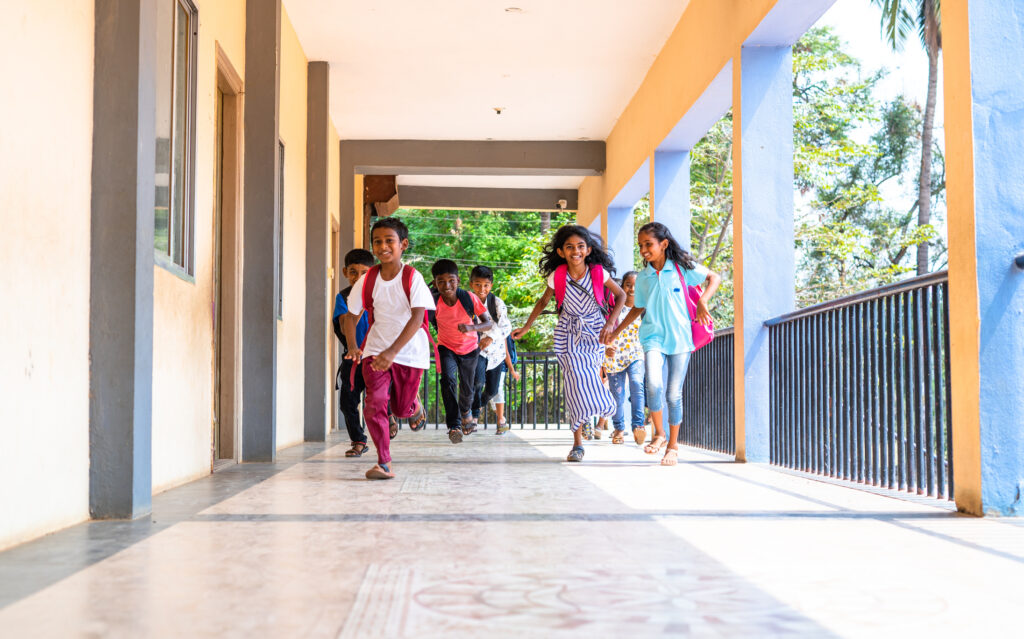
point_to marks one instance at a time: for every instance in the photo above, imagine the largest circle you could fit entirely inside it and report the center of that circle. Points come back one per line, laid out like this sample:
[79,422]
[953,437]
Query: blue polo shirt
[341,308]
[666,326]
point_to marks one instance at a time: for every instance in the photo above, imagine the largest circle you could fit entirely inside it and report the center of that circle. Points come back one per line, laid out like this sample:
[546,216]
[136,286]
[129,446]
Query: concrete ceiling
[416,69]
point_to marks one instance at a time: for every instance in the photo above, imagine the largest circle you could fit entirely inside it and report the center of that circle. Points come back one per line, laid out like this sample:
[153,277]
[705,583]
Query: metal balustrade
[535,402]
[860,388]
[708,406]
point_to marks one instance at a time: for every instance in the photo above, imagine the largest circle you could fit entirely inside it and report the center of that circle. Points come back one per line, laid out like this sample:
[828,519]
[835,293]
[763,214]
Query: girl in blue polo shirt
[665,333]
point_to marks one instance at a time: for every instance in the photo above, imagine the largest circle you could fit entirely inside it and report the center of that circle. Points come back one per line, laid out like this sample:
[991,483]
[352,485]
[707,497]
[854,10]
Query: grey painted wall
[317,307]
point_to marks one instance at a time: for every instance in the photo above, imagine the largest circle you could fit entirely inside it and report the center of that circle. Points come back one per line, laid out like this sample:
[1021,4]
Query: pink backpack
[702,335]
[596,280]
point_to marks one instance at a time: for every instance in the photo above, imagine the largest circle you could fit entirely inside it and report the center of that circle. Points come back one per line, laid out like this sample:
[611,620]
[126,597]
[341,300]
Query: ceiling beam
[474,157]
[486,198]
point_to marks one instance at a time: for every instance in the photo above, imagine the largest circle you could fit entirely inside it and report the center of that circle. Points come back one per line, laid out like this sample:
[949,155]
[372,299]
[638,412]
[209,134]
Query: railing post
[763,258]
[983,62]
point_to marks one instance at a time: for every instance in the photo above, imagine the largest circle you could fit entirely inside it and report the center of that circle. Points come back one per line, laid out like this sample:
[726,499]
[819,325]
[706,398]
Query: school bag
[510,344]
[368,283]
[464,299]
[596,280]
[702,335]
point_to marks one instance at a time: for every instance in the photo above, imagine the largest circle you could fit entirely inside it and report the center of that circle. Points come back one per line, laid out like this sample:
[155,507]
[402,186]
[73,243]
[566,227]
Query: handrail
[875,293]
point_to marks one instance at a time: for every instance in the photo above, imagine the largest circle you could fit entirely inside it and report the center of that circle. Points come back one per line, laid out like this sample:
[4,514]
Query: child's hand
[515,374]
[607,333]
[485,342]
[519,332]
[610,351]
[383,361]
[465,328]
[354,354]
[703,315]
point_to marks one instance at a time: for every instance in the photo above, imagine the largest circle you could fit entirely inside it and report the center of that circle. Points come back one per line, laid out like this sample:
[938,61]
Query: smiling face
[387,246]
[447,284]
[354,271]
[481,286]
[651,249]
[629,285]
[574,251]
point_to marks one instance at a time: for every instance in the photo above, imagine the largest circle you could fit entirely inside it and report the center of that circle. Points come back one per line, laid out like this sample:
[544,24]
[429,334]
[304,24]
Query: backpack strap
[561,274]
[369,281]
[466,300]
[597,281]
[407,274]
[492,306]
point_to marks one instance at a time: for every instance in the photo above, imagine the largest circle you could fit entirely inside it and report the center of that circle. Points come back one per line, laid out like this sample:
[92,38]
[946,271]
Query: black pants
[486,385]
[348,402]
[463,366]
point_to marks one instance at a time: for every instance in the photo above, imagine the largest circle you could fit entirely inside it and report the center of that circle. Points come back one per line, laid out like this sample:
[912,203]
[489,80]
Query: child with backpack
[624,364]
[666,332]
[494,352]
[396,349]
[579,271]
[350,386]
[457,346]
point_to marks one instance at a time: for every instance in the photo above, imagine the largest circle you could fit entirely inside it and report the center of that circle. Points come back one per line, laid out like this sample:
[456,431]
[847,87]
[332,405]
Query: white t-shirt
[551,278]
[391,312]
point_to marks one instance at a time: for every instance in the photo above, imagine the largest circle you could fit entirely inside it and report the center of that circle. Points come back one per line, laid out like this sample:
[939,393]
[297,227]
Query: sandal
[380,471]
[639,436]
[588,431]
[617,437]
[455,435]
[468,425]
[357,450]
[575,455]
[656,444]
[418,421]
[392,426]
[503,428]
[670,458]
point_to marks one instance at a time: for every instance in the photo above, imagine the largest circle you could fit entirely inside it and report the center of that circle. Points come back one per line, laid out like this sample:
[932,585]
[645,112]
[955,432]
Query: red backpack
[596,280]
[371,281]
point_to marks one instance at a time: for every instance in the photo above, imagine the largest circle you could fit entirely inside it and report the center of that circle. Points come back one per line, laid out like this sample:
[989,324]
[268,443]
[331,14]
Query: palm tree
[899,19]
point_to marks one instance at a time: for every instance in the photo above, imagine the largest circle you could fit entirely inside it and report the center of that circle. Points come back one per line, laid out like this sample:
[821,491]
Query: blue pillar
[595,225]
[672,193]
[997,92]
[620,238]
[764,257]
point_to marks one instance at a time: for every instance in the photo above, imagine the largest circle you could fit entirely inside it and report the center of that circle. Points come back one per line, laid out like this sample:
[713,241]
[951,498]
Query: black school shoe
[455,435]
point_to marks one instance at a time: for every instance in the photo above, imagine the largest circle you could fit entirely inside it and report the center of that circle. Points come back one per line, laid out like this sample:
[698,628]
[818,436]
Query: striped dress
[580,355]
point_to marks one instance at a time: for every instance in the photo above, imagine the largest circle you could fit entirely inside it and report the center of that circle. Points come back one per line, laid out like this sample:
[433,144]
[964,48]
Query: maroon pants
[402,383]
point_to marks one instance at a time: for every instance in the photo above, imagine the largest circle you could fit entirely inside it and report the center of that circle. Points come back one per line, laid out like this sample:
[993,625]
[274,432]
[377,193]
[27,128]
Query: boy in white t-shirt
[397,348]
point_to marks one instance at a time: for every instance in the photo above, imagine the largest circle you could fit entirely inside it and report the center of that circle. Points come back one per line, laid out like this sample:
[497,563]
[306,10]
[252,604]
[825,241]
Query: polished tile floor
[501,538]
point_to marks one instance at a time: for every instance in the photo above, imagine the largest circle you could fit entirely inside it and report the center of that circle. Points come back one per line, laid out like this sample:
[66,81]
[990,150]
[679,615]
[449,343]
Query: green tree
[899,19]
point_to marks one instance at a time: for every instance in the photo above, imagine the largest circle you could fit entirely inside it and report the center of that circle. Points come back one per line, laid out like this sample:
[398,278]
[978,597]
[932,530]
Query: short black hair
[444,267]
[481,273]
[359,256]
[393,223]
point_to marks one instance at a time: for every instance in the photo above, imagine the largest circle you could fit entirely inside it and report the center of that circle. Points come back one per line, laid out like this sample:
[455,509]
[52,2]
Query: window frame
[185,270]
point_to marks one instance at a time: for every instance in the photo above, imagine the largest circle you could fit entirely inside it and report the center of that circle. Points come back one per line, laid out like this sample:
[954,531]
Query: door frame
[227,278]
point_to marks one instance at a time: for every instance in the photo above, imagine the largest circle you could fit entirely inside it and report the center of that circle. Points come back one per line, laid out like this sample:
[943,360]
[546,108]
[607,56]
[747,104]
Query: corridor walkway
[500,538]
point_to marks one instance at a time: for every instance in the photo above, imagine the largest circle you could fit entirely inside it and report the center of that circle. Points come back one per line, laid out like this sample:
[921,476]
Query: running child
[624,364]
[457,346]
[578,272]
[396,349]
[494,357]
[349,385]
[666,331]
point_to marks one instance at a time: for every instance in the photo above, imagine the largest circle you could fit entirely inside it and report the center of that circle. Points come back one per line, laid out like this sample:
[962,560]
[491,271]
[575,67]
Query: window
[279,236]
[175,116]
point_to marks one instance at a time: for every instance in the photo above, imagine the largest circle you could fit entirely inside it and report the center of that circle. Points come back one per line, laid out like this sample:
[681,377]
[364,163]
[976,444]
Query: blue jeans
[617,382]
[677,364]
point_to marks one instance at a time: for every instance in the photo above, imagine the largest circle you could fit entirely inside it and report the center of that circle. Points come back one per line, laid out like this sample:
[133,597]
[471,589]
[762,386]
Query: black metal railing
[860,388]
[708,407]
[534,402]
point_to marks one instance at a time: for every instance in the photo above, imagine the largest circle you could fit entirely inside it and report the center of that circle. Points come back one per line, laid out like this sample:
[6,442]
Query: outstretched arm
[482,326]
[538,308]
[626,321]
[609,326]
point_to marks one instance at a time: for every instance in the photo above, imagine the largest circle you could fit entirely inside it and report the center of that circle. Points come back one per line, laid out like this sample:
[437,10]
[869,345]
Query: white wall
[46,62]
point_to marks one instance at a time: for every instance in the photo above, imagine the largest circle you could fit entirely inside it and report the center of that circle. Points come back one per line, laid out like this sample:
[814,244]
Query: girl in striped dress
[578,272]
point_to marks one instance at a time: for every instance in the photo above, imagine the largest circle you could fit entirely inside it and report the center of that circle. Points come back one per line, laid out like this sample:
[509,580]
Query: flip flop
[380,472]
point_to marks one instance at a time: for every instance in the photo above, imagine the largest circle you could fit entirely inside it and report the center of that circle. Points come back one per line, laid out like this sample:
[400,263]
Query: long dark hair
[598,255]
[673,251]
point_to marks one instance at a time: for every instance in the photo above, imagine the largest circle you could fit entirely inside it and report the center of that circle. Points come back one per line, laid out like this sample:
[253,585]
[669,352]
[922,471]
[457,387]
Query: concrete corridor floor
[498,537]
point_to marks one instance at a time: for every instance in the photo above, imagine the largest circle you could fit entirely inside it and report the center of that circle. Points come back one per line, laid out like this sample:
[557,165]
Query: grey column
[317,134]
[121,261]
[259,253]
[346,207]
